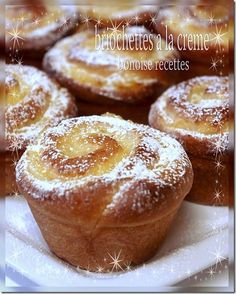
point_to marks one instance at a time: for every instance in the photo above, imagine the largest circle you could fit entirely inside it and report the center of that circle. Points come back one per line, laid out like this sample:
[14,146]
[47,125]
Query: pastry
[96,75]
[34,102]
[101,187]
[197,113]
[2,127]
[191,24]
[32,29]
[2,31]
[105,16]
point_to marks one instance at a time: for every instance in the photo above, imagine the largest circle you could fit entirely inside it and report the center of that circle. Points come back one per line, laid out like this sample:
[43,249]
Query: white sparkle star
[116,261]
[19,61]
[65,23]
[36,21]
[127,23]
[16,195]
[219,146]
[218,195]
[136,19]
[14,162]
[219,164]
[22,18]
[128,266]
[15,36]
[15,146]
[154,20]
[218,36]
[114,27]
[100,269]
[86,20]
[211,272]
[98,22]
[218,256]
[211,19]
[214,64]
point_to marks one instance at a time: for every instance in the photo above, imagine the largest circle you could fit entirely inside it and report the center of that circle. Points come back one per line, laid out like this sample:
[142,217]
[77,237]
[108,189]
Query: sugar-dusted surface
[135,14]
[197,109]
[34,102]
[195,19]
[135,167]
[78,64]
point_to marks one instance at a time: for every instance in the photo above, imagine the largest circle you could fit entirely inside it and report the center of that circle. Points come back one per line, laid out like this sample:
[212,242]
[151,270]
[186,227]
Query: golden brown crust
[110,182]
[95,251]
[196,112]
[38,26]
[96,76]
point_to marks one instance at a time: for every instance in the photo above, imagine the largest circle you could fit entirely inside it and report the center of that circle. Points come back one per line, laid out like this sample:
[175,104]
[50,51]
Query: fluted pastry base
[210,185]
[94,251]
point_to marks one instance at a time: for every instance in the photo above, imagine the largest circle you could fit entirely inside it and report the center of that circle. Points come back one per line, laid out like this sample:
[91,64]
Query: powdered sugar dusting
[152,159]
[198,108]
[77,59]
[35,103]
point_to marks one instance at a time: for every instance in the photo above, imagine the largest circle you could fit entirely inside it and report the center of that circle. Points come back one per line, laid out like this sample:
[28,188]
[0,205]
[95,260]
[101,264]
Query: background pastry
[98,76]
[212,20]
[196,112]
[33,28]
[2,31]
[34,102]
[102,185]
[105,16]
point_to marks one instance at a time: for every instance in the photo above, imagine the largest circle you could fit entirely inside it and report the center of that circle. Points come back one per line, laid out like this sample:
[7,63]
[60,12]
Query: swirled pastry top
[196,112]
[105,169]
[79,62]
[113,15]
[37,27]
[34,102]
[212,19]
